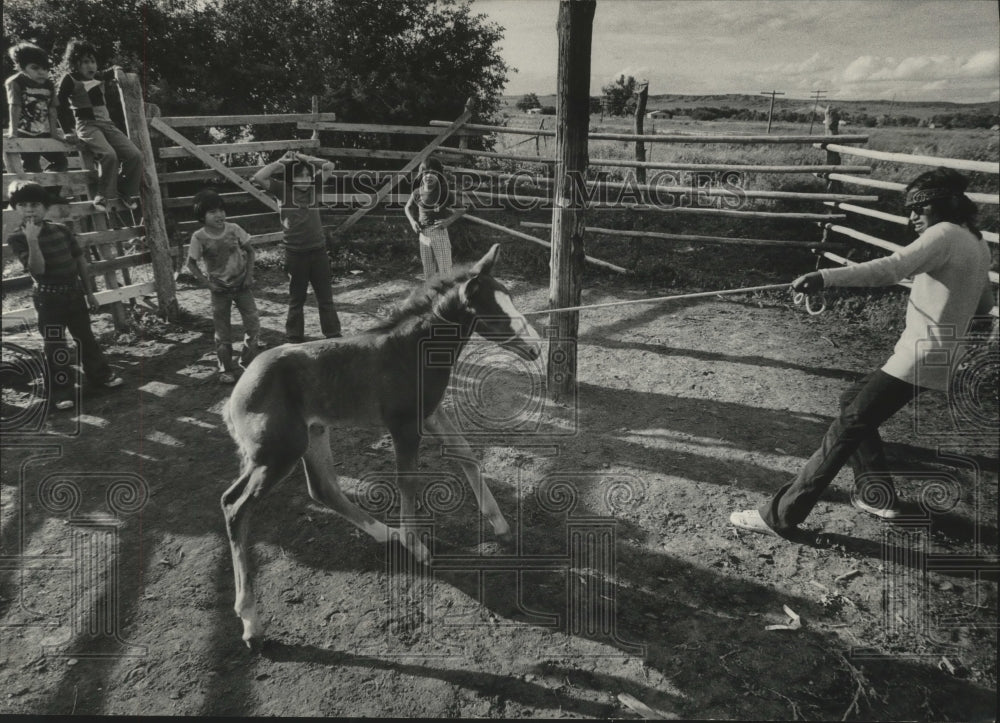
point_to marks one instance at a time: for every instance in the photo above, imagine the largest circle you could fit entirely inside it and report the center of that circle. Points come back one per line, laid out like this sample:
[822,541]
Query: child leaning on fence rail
[82,91]
[949,262]
[431,199]
[306,259]
[62,294]
[31,95]
[228,256]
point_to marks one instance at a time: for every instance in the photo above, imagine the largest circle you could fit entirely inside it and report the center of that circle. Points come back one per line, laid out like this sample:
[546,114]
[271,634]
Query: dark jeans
[853,437]
[32,162]
[303,269]
[58,311]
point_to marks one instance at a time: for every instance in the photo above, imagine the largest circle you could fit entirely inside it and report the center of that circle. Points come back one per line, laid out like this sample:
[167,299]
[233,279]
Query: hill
[917,109]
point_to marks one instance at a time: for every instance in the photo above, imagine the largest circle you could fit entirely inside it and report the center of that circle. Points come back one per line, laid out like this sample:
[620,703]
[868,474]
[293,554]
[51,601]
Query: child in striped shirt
[62,294]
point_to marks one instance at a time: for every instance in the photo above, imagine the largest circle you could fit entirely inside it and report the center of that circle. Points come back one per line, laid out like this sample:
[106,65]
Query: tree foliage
[402,61]
[527,101]
[619,96]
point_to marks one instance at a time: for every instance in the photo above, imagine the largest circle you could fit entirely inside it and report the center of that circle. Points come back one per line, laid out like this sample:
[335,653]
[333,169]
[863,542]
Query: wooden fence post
[640,147]
[575,27]
[152,204]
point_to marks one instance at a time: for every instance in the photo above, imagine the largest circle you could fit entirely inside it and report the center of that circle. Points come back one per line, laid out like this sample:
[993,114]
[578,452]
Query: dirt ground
[627,586]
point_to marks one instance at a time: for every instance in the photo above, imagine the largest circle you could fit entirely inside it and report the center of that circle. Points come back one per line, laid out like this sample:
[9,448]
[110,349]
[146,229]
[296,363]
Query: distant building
[534,111]
[659,114]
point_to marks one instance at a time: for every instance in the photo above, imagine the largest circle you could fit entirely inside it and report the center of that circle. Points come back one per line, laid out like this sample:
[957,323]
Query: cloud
[925,68]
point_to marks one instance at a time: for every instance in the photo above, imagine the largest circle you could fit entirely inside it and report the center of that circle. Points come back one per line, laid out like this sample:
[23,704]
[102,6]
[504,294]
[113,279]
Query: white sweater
[949,266]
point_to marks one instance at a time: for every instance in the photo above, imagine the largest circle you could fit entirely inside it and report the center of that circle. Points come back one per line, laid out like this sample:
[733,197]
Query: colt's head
[496,318]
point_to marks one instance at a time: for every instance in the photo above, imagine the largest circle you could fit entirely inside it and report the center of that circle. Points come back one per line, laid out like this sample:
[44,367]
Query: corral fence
[176,167]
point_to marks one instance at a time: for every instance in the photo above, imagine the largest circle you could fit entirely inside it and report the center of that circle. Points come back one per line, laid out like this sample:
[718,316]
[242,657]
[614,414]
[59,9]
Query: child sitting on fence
[31,95]
[432,201]
[306,259]
[62,292]
[228,256]
[82,90]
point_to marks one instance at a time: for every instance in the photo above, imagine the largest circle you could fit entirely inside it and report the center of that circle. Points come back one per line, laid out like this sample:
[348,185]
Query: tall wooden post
[640,147]
[575,24]
[152,204]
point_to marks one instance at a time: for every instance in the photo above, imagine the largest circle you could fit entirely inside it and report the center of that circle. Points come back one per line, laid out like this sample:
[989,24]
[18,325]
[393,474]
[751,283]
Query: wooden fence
[887,221]
[170,182]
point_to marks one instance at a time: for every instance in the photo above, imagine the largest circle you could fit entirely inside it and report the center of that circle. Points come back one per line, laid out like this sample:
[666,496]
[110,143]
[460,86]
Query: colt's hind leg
[237,506]
[441,426]
[322,483]
[407,443]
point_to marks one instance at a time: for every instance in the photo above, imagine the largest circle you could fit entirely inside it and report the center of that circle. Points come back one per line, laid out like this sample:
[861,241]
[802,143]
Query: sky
[907,50]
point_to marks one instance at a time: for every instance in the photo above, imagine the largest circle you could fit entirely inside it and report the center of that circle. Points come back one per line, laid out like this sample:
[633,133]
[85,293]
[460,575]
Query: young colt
[293,399]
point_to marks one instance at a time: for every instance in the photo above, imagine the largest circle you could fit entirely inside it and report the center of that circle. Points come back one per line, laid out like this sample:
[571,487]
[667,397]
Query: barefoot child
[225,248]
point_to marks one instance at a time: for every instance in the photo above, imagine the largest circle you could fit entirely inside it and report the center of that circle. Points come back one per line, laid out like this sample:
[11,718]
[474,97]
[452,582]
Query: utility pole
[770,111]
[817,95]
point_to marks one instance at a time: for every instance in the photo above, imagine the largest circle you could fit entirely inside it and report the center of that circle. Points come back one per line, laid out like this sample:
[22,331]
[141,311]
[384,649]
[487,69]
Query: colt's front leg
[410,485]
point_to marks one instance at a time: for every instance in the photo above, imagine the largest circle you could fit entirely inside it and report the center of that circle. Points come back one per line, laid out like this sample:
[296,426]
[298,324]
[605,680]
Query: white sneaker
[65,404]
[886,513]
[113,382]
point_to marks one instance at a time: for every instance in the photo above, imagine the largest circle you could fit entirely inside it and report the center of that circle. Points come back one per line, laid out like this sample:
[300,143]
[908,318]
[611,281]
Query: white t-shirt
[225,255]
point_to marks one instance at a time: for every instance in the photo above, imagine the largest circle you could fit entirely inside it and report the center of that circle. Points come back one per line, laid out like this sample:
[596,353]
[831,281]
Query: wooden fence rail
[954,163]
[663,138]
[988,198]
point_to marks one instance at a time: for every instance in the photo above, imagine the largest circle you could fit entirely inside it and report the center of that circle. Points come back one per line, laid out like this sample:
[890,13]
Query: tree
[404,61]
[528,101]
[620,96]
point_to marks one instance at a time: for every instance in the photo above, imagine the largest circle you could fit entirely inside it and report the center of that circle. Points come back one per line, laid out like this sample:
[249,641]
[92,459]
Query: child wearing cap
[225,248]
[62,294]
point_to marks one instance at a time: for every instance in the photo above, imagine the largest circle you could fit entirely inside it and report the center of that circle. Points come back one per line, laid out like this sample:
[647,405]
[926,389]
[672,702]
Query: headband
[918,197]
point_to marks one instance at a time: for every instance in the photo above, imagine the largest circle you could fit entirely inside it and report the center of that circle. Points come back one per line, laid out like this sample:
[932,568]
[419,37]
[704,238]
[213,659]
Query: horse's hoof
[254,645]
[506,540]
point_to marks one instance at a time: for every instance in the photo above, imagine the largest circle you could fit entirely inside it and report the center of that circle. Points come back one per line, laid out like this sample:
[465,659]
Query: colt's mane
[423,299]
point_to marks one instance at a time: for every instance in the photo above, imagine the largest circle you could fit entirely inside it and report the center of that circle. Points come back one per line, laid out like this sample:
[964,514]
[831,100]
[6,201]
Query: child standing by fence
[432,200]
[62,292]
[82,91]
[228,256]
[306,260]
[31,95]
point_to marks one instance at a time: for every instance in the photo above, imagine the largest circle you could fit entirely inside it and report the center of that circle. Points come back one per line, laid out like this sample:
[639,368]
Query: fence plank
[910,158]
[662,137]
[380,128]
[334,152]
[990,198]
[204,174]
[804,245]
[74,179]
[203,155]
[226,148]
[27,316]
[242,120]
[411,165]
[544,244]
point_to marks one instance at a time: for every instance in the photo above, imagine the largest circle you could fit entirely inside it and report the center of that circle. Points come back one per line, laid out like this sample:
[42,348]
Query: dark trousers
[32,162]
[853,437]
[303,269]
[57,312]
